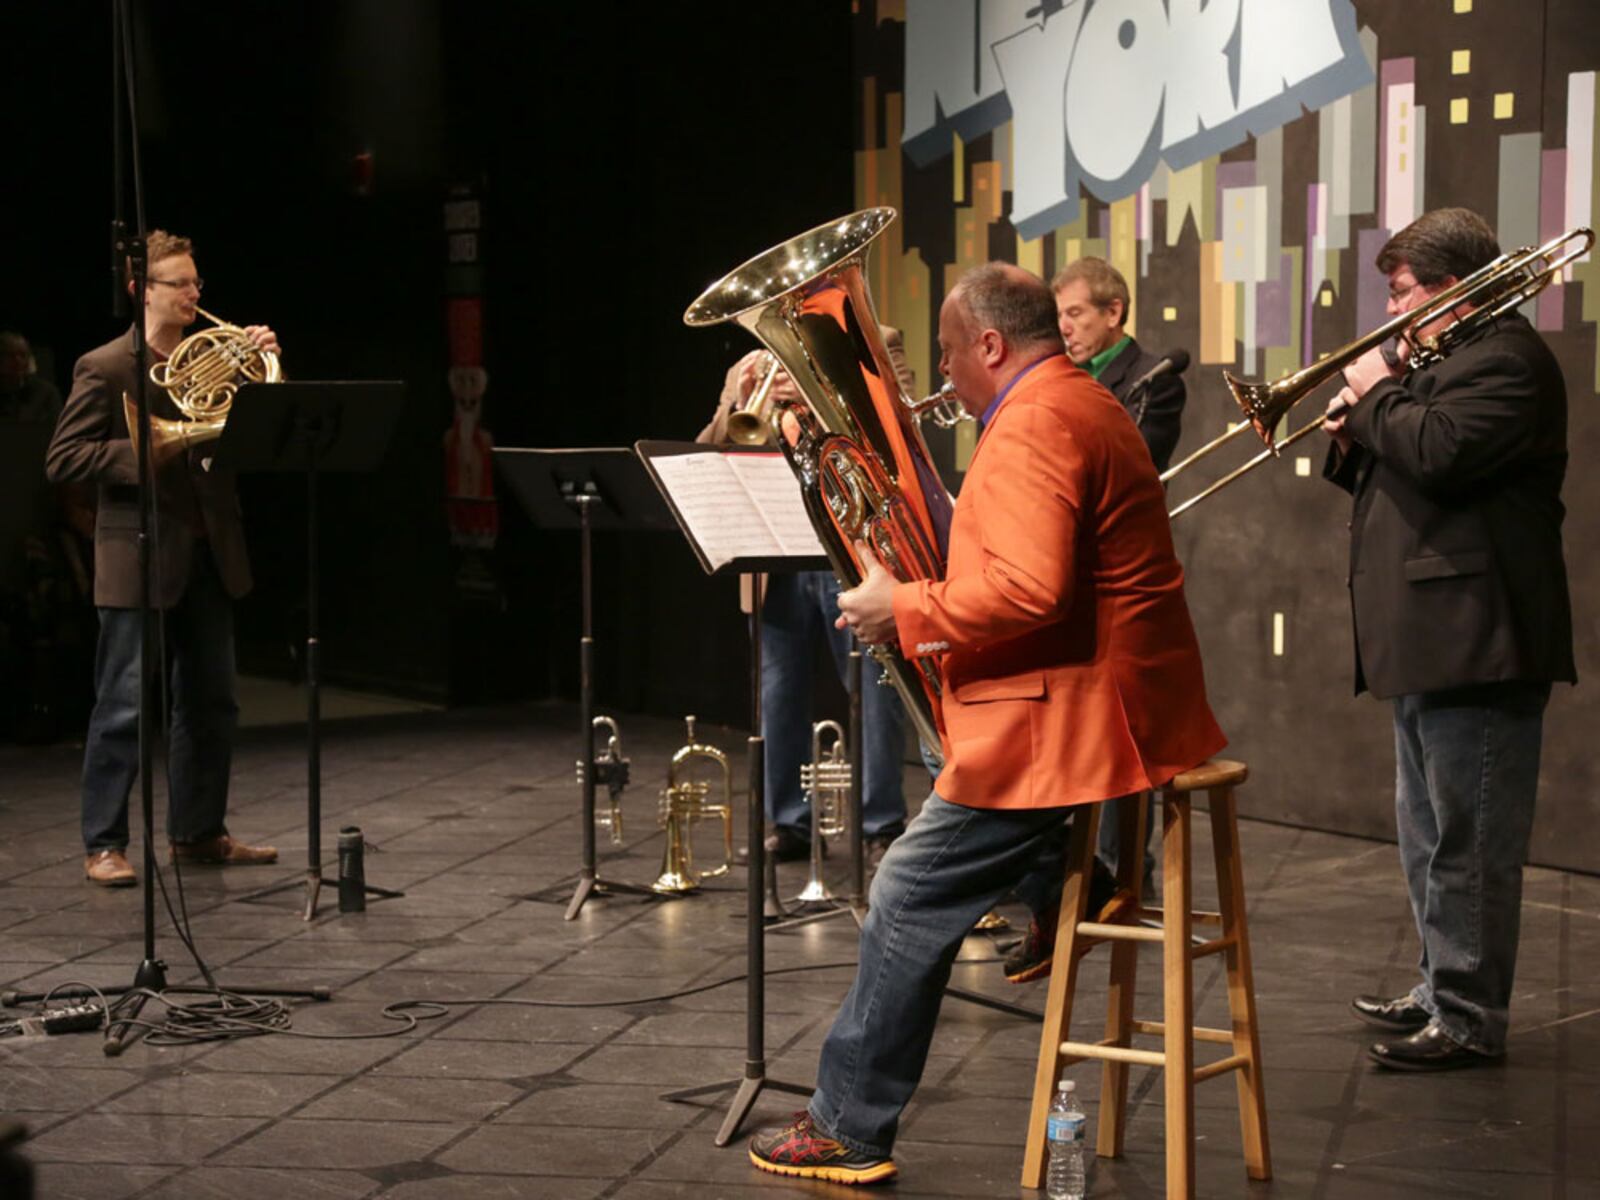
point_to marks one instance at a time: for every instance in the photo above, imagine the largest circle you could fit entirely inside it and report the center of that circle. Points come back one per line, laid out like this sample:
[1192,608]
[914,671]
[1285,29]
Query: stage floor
[470,812]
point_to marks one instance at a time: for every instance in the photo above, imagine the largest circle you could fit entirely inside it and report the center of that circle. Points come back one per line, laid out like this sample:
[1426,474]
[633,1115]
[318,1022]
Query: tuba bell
[201,376]
[685,803]
[865,472]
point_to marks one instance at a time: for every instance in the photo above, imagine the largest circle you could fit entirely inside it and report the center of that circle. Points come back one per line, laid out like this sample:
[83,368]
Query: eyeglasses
[1398,294]
[198,285]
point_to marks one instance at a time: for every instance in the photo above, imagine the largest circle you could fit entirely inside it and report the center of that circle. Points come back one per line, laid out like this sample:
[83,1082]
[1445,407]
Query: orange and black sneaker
[800,1148]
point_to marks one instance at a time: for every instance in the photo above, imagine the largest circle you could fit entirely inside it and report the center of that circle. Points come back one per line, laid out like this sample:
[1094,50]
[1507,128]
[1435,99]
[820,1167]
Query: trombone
[1491,291]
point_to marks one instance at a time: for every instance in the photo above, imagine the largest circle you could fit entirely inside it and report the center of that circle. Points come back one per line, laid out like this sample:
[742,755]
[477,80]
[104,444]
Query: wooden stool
[1217,778]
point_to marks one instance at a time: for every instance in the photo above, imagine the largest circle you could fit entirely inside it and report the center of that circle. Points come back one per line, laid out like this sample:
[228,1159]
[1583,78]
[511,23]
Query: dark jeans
[1467,769]
[952,865]
[199,649]
[799,609]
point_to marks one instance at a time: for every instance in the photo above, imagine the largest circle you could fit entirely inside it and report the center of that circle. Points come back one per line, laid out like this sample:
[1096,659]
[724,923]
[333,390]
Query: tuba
[865,473]
[201,376]
[684,803]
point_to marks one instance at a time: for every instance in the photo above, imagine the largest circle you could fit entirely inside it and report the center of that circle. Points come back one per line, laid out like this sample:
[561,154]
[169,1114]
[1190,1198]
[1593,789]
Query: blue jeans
[1467,769]
[952,865]
[204,714]
[797,609]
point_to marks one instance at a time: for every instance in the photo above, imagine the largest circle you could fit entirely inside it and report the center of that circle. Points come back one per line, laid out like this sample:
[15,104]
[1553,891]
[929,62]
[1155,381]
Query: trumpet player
[1458,590]
[1070,671]
[797,612]
[198,567]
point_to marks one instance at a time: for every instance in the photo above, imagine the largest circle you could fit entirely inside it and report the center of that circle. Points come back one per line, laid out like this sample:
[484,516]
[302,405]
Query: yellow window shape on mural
[1458,111]
[1463,6]
[1461,62]
[1504,105]
[1169,313]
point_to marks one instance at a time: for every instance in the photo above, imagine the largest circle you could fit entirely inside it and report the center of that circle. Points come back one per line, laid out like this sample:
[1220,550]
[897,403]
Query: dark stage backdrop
[1242,166]
[620,160]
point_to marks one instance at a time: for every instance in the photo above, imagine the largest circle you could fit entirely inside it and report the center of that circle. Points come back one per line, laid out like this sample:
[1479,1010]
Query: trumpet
[1489,293]
[201,376]
[943,408]
[748,424]
[683,805]
[611,769]
[826,780]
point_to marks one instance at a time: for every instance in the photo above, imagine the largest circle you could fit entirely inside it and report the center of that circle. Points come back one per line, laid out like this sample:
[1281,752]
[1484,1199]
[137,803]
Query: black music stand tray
[312,427]
[602,488]
[755,1077]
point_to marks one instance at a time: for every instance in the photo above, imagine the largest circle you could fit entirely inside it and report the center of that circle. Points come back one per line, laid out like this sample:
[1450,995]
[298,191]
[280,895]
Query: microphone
[1176,362]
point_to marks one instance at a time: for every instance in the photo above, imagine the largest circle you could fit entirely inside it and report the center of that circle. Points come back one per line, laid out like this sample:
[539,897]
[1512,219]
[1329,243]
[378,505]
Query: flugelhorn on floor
[685,802]
[201,376]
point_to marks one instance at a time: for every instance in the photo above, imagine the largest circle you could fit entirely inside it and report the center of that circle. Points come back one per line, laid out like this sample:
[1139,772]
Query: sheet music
[776,493]
[738,505]
[716,507]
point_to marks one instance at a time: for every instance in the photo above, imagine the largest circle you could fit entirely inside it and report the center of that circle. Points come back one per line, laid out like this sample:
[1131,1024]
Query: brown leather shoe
[108,868]
[222,851]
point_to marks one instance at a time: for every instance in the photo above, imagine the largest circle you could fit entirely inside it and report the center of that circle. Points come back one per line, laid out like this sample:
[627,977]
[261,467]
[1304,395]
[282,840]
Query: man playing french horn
[198,566]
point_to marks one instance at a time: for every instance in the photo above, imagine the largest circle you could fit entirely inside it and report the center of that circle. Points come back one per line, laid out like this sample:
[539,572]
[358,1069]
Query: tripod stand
[607,487]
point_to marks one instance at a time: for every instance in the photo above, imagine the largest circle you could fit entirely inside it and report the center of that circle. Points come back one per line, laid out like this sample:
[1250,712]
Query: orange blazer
[1070,667]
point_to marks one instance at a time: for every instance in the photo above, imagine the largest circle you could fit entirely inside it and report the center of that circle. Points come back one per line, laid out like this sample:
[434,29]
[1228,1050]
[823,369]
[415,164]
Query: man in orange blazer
[1071,675]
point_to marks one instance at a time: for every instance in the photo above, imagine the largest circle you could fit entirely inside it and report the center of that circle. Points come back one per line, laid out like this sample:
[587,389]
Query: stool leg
[1063,981]
[1178,985]
[1124,980]
[1241,984]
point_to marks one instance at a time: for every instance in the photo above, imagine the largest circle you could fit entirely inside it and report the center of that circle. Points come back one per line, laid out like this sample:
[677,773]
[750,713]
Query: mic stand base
[312,882]
[755,1079]
[591,884]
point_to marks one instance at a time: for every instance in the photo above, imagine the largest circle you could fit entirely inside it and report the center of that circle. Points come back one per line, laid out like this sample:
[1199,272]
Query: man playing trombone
[1458,591]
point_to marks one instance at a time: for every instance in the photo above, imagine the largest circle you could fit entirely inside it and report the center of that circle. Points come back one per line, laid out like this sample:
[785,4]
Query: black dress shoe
[1402,1014]
[785,845]
[1429,1049]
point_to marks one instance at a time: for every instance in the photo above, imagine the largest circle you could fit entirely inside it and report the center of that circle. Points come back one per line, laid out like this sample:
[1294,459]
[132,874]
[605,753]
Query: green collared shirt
[1098,363]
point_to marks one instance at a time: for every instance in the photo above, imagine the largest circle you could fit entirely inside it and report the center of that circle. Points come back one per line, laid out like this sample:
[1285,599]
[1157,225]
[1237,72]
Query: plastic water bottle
[1064,1176]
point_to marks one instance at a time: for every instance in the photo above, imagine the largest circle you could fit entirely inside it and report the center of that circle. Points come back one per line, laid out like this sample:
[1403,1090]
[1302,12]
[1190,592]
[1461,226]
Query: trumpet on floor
[610,769]
[685,802]
[826,780]
[1488,294]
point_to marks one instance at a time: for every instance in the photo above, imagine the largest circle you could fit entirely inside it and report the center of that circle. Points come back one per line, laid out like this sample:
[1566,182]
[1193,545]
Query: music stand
[310,426]
[755,1078]
[602,488]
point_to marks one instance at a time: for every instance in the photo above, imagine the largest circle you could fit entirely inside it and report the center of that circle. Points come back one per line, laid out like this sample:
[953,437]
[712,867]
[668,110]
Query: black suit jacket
[1456,570]
[1163,410]
[91,445]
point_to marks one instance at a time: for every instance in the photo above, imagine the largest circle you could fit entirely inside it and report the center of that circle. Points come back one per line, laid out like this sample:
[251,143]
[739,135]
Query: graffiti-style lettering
[1101,90]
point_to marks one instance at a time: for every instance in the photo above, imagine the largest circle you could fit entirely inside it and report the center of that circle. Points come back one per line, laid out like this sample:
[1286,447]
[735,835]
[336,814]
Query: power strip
[75,1018]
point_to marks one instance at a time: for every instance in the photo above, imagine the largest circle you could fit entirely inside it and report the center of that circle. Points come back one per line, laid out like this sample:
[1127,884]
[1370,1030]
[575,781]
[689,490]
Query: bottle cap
[1066,1085]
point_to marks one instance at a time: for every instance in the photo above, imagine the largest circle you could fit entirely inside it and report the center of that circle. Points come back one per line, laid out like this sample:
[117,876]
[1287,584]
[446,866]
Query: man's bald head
[1015,303]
